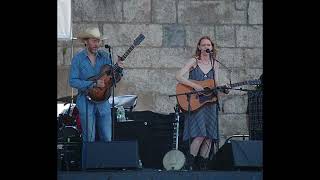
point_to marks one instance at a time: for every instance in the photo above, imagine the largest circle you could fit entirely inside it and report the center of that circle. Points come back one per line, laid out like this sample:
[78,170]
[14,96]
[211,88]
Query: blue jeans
[99,113]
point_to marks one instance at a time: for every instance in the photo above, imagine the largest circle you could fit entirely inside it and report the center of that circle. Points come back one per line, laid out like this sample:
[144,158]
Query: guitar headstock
[138,40]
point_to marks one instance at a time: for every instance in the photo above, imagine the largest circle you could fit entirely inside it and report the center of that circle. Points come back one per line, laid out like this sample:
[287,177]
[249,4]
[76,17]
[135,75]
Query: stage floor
[151,174]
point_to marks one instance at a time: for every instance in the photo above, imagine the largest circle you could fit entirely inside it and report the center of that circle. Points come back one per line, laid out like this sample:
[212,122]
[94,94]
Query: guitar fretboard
[239,84]
[136,42]
[128,52]
[254,82]
[125,56]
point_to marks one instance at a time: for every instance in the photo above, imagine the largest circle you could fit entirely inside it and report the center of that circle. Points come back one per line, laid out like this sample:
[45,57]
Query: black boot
[189,162]
[203,163]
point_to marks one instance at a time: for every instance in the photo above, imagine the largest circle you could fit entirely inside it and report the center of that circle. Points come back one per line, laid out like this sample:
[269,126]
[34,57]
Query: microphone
[209,51]
[107,46]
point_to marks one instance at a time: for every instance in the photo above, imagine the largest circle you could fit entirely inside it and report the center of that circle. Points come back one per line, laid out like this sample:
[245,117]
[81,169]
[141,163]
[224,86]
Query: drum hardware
[69,140]
[68,120]
[67,116]
[68,99]
[128,102]
[68,127]
[69,156]
[174,159]
[69,134]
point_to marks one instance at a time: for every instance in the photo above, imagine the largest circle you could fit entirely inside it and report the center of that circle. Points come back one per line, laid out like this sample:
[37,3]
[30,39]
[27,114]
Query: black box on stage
[238,155]
[114,154]
[154,133]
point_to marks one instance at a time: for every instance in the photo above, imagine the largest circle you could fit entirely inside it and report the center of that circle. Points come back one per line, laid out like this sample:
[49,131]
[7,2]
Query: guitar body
[198,99]
[98,94]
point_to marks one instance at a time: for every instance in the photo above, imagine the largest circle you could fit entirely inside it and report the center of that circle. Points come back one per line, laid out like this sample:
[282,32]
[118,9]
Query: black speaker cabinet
[154,133]
[110,155]
[238,155]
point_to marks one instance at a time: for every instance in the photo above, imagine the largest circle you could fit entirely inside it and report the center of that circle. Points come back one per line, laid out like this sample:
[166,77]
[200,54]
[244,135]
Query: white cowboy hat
[91,32]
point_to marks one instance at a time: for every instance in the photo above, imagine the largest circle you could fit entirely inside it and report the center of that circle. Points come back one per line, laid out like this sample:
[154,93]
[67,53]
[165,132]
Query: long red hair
[198,51]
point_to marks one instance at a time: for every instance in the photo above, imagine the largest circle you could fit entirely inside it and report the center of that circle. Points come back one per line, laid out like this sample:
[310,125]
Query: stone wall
[172,29]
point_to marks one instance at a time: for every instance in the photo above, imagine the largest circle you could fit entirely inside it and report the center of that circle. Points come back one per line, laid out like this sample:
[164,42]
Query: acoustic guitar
[208,95]
[98,94]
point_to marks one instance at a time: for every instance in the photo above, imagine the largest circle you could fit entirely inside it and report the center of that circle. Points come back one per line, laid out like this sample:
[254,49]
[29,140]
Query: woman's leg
[194,149]
[204,154]
[195,145]
[205,148]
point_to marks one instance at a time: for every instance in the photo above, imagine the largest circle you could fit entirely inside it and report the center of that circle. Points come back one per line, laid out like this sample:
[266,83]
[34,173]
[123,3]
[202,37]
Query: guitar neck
[125,55]
[251,82]
[239,84]
[128,52]
[117,68]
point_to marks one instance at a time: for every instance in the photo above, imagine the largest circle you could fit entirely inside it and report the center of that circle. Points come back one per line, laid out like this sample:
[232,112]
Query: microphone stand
[189,115]
[85,141]
[211,57]
[212,60]
[113,87]
[225,67]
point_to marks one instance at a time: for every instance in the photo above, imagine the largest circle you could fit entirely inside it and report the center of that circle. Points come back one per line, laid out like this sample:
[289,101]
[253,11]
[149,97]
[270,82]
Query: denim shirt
[82,69]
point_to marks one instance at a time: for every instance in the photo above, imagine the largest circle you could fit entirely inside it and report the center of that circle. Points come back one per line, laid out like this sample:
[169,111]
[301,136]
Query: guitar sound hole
[207,91]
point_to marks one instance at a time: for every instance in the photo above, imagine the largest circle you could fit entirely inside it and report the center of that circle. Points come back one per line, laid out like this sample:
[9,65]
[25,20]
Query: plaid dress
[204,121]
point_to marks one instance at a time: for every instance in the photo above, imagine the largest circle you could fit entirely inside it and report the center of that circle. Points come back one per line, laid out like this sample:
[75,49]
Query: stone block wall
[172,29]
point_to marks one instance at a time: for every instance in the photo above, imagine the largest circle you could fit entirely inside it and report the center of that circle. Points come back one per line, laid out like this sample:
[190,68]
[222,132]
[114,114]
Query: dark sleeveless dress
[204,121]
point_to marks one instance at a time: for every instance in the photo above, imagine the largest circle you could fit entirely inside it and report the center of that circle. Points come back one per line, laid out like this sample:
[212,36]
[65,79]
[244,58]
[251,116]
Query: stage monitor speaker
[111,155]
[238,155]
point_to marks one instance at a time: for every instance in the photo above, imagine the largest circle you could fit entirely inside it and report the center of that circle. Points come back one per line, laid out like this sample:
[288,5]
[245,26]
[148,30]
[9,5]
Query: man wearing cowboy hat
[85,64]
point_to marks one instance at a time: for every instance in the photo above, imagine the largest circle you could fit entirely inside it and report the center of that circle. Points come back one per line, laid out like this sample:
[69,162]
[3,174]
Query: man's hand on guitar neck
[120,62]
